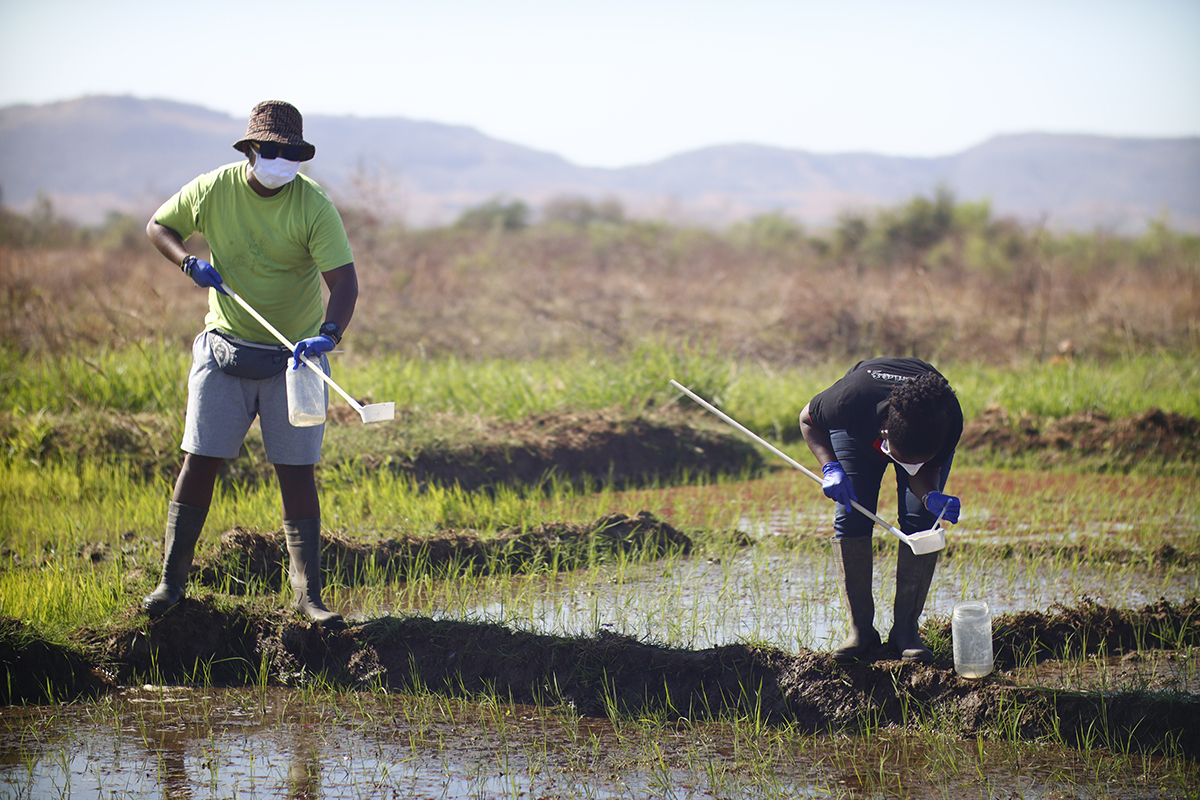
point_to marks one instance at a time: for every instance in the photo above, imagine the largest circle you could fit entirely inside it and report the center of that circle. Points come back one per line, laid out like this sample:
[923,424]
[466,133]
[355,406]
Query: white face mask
[911,469]
[273,172]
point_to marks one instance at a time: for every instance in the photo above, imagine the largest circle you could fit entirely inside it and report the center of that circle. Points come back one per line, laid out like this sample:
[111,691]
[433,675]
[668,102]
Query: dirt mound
[1153,435]
[609,674]
[38,671]
[597,447]
[248,557]
[659,445]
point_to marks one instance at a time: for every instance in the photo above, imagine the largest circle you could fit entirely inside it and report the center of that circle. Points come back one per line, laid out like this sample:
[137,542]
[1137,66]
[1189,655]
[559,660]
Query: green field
[1076,359]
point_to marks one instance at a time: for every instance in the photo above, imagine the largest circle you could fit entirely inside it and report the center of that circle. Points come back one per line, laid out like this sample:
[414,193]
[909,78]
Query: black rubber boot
[304,571]
[184,524]
[913,576]
[853,558]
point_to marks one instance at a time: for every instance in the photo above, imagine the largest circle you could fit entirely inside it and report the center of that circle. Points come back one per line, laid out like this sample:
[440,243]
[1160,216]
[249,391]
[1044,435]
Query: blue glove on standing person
[203,273]
[936,502]
[837,486]
[312,347]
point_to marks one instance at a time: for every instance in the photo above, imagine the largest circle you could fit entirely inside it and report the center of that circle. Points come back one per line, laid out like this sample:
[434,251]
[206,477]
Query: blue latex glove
[204,274]
[312,347]
[936,501]
[837,486]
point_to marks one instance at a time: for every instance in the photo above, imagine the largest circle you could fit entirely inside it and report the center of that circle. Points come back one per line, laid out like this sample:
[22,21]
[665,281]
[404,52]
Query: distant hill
[100,154]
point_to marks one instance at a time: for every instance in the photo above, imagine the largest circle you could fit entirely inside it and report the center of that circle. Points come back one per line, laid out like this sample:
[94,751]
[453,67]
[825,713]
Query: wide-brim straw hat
[279,122]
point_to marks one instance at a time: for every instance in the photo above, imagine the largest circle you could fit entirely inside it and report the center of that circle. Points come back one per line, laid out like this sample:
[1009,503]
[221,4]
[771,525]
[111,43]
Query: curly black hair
[919,414]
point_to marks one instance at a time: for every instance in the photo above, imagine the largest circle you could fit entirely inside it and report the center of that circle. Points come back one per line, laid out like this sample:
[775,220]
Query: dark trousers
[865,468]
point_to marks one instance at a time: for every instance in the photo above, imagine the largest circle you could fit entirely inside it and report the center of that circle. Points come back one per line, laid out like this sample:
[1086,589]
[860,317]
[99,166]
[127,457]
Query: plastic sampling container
[971,631]
[306,396]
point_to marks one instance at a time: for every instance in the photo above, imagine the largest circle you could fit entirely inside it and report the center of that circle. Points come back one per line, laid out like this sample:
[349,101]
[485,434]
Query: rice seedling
[58,600]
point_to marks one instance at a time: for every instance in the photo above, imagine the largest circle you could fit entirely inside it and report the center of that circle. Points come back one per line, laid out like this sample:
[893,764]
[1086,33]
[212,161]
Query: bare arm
[168,242]
[924,482]
[343,294]
[817,439]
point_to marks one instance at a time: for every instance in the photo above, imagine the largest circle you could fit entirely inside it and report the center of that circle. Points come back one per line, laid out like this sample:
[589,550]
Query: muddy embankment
[659,444]
[1154,435]
[608,674]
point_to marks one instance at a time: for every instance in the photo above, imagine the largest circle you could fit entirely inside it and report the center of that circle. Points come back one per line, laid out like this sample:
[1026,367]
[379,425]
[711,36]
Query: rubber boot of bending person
[184,524]
[853,558]
[304,571]
[913,576]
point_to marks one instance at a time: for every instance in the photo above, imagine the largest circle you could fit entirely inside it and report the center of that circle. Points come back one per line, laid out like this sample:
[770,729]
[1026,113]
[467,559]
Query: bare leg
[298,491]
[197,476]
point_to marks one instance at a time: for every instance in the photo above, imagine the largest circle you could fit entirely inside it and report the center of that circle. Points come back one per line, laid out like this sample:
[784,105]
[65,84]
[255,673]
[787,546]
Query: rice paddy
[530,374]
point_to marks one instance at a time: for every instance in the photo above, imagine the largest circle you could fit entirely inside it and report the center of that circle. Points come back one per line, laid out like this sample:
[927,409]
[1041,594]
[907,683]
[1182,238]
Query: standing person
[274,235]
[885,410]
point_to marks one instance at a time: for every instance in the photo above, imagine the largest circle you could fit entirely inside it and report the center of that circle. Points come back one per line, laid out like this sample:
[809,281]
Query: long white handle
[709,406]
[315,367]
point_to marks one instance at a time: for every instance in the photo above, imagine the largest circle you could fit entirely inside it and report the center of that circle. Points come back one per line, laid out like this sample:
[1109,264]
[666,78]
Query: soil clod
[249,557]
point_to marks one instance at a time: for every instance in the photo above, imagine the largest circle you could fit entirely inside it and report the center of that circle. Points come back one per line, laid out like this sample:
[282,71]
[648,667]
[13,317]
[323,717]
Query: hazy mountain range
[100,154]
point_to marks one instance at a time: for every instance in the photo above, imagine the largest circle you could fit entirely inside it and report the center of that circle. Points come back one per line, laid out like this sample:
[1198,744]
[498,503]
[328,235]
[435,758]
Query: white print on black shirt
[887,376]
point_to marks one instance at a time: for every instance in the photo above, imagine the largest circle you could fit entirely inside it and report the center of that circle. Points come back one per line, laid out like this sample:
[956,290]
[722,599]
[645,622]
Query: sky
[625,82]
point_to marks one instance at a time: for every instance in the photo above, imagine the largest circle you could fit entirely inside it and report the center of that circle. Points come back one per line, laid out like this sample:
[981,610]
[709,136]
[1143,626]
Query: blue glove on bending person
[837,486]
[936,502]
[312,347]
[204,274]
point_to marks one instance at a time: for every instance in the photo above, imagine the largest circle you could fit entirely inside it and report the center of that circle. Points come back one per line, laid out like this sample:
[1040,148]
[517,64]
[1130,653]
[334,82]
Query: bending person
[898,411]
[274,235]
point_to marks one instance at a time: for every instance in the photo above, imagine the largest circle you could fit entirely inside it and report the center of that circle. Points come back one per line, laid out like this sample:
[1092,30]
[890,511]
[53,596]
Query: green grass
[149,377]
[1118,388]
[128,405]
[152,379]
[59,600]
[52,509]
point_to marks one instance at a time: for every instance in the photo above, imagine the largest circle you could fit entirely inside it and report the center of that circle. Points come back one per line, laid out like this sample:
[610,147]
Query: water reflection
[307,745]
[172,771]
[304,775]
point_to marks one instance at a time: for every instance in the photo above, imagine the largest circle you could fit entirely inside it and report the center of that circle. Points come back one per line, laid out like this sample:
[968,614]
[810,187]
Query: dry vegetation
[933,278]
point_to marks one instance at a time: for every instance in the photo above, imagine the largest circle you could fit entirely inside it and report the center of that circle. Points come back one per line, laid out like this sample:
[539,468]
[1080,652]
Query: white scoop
[929,541]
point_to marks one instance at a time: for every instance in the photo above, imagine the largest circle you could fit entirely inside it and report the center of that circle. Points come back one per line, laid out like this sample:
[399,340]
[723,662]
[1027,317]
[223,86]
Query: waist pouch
[243,359]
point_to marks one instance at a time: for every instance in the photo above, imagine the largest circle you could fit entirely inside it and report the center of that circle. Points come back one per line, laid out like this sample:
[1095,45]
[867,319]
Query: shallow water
[783,591]
[787,598]
[270,743]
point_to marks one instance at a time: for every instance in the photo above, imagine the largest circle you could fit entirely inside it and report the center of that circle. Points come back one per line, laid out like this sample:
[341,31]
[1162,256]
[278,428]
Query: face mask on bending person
[272,173]
[910,467]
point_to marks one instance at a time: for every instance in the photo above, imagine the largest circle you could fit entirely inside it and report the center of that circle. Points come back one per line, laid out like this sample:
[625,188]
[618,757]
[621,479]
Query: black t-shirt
[858,403]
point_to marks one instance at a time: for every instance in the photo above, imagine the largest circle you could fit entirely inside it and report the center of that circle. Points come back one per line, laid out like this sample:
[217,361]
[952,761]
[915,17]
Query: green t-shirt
[270,250]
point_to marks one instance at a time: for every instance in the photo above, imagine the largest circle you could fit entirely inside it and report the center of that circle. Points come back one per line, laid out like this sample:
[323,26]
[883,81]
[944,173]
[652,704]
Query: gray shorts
[221,408]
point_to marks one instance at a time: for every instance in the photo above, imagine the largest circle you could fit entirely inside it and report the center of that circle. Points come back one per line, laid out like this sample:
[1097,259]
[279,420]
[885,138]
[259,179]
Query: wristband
[186,265]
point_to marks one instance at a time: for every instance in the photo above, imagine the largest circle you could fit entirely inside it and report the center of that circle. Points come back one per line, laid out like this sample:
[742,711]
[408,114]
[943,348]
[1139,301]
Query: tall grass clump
[146,376]
[61,600]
